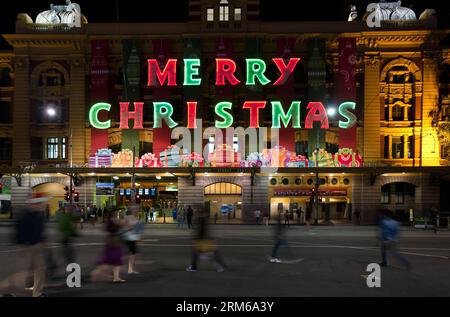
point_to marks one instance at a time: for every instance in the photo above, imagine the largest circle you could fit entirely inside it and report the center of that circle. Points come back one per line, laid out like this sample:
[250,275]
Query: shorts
[132,247]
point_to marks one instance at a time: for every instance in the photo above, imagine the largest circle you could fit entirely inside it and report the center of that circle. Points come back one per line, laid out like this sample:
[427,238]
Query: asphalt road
[335,262]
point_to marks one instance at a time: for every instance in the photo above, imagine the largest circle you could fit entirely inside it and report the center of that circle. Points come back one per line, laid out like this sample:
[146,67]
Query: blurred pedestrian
[132,235]
[308,215]
[181,215]
[299,213]
[257,216]
[112,253]
[389,232]
[205,247]
[67,231]
[280,240]
[286,218]
[266,218]
[189,216]
[216,217]
[31,235]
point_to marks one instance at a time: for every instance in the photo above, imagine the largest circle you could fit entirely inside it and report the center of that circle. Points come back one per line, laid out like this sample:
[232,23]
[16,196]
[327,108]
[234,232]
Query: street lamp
[51,112]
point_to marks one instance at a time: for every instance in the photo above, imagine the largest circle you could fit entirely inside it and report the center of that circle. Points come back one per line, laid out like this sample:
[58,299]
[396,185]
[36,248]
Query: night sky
[177,10]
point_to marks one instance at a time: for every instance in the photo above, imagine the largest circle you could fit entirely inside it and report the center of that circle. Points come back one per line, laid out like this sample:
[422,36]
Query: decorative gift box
[171,157]
[347,158]
[103,158]
[193,160]
[123,159]
[254,160]
[224,156]
[149,160]
[324,159]
[298,161]
[279,156]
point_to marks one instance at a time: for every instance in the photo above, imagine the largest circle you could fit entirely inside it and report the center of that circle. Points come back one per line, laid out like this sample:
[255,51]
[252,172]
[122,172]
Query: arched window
[5,77]
[223,189]
[224,11]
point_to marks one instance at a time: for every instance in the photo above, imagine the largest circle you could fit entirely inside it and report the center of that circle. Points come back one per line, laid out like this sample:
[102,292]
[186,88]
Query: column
[371,110]
[430,144]
[77,112]
[21,112]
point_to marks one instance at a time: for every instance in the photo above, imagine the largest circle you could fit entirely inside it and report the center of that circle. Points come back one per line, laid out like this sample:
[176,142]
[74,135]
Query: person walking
[216,217]
[280,240]
[308,217]
[133,232]
[190,216]
[180,217]
[257,216]
[67,230]
[205,247]
[286,218]
[112,253]
[31,235]
[388,235]
[266,218]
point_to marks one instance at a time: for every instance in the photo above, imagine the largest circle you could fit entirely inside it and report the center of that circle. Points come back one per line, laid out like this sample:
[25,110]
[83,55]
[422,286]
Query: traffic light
[76,196]
[1,188]
[313,192]
[66,194]
[137,198]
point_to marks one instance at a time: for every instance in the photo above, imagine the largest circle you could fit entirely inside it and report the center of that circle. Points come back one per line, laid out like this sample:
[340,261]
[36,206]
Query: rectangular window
[399,193]
[63,148]
[210,14]
[411,146]
[224,13]
[397,113]
[52,148]
[397,147]
[237,14]
[385,197]
[386,147]
[5,149]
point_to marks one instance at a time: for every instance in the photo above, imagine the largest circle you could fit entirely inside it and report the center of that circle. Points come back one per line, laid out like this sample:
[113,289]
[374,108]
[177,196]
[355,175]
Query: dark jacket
[30,228]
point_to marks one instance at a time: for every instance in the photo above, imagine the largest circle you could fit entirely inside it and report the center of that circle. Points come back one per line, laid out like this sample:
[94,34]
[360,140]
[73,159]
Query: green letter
[93,116]
[256,68]
[227,117]
[190,71]
[293,113]
[163,110]
[344,110]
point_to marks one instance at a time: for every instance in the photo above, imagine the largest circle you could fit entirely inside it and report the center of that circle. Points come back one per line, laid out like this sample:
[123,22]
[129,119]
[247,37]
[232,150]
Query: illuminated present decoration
[123,159]
[103,158]
[324,159]
[254,160]
[149,160]
[298,161]
[347,158]
[277,157]
[224,156]
[172,156]
[193,160]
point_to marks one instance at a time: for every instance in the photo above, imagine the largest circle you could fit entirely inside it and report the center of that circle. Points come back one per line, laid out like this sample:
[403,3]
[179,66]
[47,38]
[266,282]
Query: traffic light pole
[316,185]
[70,188]
[133,178]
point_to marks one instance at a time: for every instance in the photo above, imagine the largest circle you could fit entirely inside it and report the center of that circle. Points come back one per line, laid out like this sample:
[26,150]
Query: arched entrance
[225,199]
[55,191]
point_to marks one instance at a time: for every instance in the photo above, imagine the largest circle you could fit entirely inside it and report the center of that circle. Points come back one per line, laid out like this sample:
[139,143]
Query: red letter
[286,71]
[170,72]
[225,68]
[137,115]
[254,107]
[316,112]
[192,114]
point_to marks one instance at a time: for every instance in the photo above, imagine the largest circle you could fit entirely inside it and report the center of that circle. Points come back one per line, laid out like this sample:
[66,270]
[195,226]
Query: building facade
[398,74]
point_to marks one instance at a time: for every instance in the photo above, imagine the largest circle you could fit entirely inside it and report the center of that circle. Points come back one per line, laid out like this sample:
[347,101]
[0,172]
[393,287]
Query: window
[5,149]
[411,146]
[301,148]
[5,112]
[399,193]
[210,14]
[224,11]
[237,14]
[385,197]
[56,148]
[397,113]
[397,147]
[445,152]
[5,77]
[52,148]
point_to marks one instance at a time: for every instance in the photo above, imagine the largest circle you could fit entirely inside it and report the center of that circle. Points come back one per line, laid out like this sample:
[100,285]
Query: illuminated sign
[225,75]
